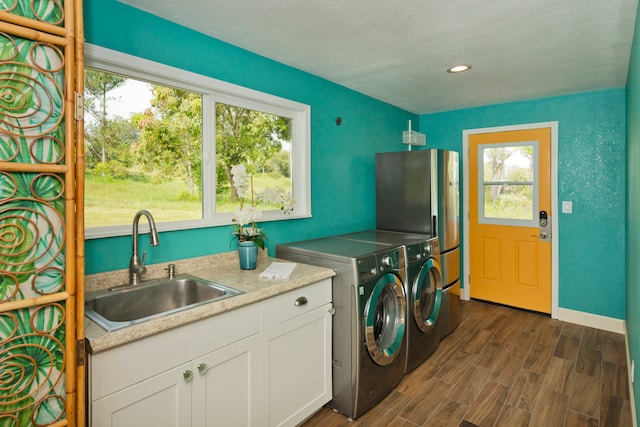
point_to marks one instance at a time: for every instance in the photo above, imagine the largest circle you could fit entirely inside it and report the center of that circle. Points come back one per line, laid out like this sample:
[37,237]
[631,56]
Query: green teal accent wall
[591,158]
[633,206]
[591,155]
[342,157]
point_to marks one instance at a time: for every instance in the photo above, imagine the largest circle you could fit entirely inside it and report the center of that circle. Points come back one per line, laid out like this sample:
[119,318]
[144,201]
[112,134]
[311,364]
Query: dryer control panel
[367,268]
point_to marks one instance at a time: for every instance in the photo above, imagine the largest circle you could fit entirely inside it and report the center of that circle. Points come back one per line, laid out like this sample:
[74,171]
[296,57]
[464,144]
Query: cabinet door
[296,368]
[160,401]
[225,386]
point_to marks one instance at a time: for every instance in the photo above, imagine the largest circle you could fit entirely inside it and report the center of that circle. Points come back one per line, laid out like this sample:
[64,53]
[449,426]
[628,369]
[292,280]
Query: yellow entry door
[510,218]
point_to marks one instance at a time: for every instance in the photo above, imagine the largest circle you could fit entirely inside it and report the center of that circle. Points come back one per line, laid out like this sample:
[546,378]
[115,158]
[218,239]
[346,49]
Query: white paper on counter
[278,270]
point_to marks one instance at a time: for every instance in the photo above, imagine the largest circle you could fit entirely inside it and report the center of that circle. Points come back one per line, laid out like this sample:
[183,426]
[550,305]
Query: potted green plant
[245,228]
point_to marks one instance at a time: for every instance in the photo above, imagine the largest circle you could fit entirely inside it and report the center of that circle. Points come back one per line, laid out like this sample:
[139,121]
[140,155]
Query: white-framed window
[164,139]
[508,183]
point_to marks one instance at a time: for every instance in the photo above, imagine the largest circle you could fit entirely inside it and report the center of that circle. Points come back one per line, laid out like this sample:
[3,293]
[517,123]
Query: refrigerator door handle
[434,225]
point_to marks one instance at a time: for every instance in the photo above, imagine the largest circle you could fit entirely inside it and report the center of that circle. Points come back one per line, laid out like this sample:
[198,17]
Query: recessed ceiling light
[459,68]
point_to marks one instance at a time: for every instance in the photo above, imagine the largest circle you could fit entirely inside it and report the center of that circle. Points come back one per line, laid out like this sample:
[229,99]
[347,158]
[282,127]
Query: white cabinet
[296,355]
[225,386]
[261,365]
[163,400]
[194,375]
[222,385]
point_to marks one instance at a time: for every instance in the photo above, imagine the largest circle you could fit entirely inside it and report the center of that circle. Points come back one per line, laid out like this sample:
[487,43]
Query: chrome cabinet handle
[187,375]
[202,368]
[300,301]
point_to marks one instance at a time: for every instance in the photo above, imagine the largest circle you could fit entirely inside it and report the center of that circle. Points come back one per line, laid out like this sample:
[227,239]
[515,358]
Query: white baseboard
[592,320]
[608,324]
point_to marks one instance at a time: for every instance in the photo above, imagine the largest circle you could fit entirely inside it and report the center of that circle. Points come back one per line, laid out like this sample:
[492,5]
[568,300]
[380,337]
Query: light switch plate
[567,206]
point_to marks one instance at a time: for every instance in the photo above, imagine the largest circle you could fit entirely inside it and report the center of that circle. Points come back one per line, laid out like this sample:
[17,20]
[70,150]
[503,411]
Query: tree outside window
[153,158]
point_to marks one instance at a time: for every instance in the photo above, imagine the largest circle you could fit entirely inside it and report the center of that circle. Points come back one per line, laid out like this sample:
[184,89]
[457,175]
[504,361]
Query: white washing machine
[423,287]
[369,323]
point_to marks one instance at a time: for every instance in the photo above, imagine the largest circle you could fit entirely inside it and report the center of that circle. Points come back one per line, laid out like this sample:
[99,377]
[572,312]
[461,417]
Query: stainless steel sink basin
[127,305]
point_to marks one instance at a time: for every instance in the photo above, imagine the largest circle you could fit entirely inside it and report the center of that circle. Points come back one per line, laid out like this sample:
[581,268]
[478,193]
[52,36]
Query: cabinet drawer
[294,303]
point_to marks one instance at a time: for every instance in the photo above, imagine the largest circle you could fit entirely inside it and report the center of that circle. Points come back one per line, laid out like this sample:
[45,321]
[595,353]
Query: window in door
[507,183]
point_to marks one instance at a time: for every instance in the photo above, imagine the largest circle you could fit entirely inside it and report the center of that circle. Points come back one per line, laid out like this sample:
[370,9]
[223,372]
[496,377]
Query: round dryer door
[384,319]
[426,295]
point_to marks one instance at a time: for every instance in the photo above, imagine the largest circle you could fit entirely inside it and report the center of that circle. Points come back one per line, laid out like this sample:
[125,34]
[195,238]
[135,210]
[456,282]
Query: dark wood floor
[506,367]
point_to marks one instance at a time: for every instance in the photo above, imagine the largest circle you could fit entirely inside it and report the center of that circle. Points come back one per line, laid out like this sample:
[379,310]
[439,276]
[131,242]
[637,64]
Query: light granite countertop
[221,268]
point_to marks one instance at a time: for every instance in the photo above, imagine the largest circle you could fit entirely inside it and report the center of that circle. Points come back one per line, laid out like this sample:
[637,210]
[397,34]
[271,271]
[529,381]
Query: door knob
[187,375]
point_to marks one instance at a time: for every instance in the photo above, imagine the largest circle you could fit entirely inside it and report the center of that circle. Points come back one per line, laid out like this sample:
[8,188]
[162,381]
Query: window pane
[143,150]
[508,201]
[258,140]
[507,183]
[508,163]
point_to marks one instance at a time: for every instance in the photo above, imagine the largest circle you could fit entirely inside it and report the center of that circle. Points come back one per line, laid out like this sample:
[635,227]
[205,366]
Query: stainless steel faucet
[137,267]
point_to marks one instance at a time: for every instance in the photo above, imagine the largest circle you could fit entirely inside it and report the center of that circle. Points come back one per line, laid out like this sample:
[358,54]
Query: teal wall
[342,157]
[633,206]
[591,153]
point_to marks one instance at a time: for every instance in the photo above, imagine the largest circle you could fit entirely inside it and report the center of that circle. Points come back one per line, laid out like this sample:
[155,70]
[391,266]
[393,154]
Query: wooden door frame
[465,294]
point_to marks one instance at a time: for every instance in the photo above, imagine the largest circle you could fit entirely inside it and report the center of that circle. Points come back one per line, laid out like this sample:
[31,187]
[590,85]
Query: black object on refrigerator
[419,192]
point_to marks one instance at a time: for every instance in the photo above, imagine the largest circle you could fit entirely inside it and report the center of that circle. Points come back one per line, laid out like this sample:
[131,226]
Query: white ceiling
[398,51]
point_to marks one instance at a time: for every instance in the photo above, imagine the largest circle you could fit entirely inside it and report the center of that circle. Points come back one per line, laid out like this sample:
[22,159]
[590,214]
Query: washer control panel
[367,268]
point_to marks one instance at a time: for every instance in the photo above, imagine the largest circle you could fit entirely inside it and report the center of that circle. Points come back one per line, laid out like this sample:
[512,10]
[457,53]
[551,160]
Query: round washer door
[384,319]
[426,295]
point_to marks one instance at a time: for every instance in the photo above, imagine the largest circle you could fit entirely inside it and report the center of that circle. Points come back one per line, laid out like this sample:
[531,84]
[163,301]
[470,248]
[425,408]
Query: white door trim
[554,203]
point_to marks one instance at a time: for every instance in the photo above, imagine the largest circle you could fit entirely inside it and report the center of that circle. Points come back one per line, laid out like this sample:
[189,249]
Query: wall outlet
[567,206]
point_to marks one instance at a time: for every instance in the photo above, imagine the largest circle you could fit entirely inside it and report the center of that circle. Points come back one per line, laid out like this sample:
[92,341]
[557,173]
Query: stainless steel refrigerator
[419,192]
